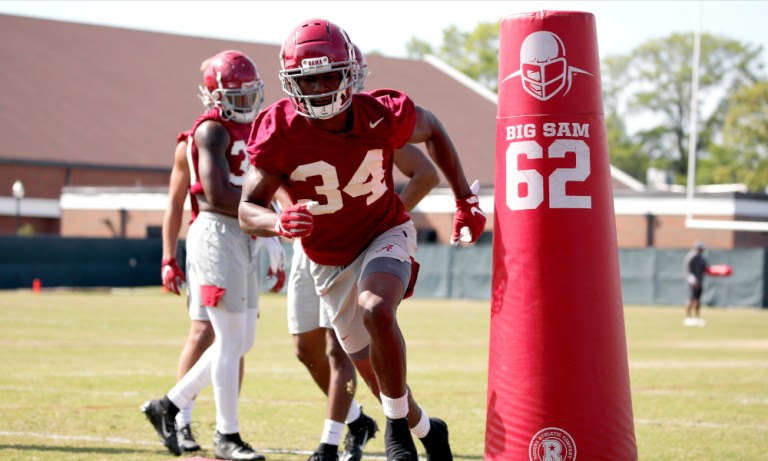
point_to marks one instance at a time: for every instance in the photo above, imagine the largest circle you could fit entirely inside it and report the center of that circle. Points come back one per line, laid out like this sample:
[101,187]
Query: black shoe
[186,439]
[359,432]
[398,441]
[325,452]
[232,447]
[317,456]
[436,441]
[164,424]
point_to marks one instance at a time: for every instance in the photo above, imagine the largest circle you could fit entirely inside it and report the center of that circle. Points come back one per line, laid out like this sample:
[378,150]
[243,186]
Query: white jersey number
[534,181]
[359,185]
[237,171]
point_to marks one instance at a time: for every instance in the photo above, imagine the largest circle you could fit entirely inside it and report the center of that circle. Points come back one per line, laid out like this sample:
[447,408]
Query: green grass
[75,366]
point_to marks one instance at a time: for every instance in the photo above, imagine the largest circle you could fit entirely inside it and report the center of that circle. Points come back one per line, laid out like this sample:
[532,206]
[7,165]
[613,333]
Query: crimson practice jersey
[349,174]
[237,157]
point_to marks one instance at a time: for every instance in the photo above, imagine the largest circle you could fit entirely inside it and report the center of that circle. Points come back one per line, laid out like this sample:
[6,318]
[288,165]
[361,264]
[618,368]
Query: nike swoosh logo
[166,433]
[373,124]
[476,210]
[344,337]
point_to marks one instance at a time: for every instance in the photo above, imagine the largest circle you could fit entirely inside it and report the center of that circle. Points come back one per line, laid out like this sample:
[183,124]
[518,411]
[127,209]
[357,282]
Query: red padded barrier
[558,380]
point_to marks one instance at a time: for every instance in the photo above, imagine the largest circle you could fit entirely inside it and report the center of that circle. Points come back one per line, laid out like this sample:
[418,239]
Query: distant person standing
[695,266]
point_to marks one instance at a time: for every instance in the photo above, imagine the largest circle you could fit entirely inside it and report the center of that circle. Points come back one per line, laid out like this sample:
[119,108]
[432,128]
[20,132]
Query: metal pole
[693,129]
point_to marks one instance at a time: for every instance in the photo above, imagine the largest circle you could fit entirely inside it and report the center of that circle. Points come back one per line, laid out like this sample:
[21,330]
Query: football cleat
[359,432]
[319,456]
[398,441]
[232,447]
[164,424]
[186,439]
[436,441]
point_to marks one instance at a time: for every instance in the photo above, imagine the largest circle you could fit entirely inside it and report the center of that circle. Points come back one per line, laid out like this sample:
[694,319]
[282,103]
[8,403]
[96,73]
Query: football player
[315,342]
[222,265]
[333,152]
[201,334]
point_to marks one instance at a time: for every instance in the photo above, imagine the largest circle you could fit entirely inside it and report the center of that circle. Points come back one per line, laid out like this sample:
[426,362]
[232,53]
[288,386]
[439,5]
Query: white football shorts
[338,285]
[222,272]
[304,313]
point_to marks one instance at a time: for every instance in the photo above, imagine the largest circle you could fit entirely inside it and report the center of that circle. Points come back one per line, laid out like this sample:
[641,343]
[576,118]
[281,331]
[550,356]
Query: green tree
[474,53]
[743,154]
[625,153]
[658,81]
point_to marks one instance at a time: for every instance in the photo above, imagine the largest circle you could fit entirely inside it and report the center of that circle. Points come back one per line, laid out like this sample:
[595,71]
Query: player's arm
[212,141]
[421,172]
[257,218]
[468,218]
[177,194]
[171,273]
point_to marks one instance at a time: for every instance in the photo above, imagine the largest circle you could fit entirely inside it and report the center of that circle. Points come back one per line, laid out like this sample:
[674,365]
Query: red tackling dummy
[719,270]
[558,378]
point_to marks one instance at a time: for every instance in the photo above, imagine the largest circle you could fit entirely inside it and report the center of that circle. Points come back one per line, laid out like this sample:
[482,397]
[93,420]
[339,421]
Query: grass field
[76,366]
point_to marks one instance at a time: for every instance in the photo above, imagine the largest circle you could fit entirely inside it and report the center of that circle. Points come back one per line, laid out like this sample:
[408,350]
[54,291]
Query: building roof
[92,95]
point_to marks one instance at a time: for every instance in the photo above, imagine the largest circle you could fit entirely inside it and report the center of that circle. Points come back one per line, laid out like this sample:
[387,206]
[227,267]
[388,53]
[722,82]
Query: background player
[223,270]
[332,151]
[201,334]
[315,342]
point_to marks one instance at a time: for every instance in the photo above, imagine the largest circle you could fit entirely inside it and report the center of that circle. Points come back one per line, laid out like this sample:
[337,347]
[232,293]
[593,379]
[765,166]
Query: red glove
[276,256]
[295,221]
[173,276]
[279,280]
[468,219]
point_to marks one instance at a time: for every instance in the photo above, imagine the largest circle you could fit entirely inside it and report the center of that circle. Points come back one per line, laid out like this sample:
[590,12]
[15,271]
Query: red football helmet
[318,46]
[233,85]
[362,70]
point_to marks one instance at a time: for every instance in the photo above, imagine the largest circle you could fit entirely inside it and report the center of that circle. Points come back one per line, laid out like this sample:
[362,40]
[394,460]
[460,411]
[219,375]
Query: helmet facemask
[341,97]
[232,85]
[241,105]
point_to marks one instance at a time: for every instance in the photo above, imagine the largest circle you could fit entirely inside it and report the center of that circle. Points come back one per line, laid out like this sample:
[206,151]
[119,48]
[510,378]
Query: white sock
[355,410]
[395,408]
[421,429]
[332,431]
[184,416]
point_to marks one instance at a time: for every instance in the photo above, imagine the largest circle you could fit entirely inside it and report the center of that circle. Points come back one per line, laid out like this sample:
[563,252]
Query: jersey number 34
[359,185]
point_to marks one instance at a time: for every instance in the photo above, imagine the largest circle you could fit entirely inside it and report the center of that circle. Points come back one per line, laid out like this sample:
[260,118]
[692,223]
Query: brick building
[89,116]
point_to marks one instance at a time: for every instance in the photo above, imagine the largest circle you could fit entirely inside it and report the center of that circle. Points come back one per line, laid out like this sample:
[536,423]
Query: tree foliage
[658,80]
[743,155]
[474,53]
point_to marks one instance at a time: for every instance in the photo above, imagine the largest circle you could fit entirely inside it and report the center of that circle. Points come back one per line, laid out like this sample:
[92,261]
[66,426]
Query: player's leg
[309,348]
[380,292]
[232,306]
[199,338]
[318,350]
[309,343]
[341,404]
[697,307]
[383,282]
[162,413]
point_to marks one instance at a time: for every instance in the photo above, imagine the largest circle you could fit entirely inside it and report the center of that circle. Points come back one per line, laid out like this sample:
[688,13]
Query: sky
[386,26]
